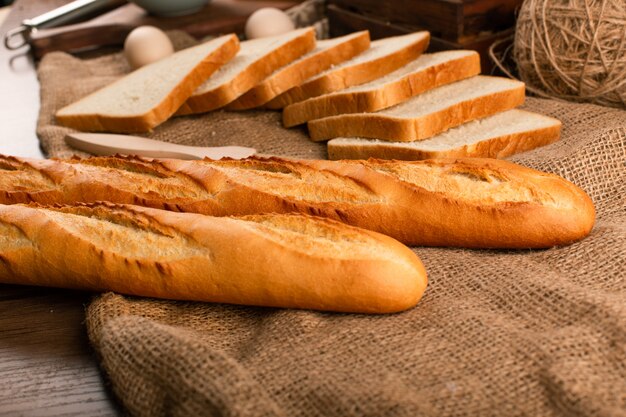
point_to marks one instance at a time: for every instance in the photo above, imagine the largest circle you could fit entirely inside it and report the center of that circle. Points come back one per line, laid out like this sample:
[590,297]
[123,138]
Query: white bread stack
[435,106]
[385,99]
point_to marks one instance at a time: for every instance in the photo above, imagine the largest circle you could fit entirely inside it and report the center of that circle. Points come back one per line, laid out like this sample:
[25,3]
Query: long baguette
[293,261]
[471,202]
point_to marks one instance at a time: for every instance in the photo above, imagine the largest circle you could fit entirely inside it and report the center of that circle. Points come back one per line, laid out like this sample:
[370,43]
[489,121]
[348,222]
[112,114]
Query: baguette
[497,136]
[148,96]
[472,202]
[326,54]
[384,56]
[257,59]
[292,261]
[425,73]
[427,114]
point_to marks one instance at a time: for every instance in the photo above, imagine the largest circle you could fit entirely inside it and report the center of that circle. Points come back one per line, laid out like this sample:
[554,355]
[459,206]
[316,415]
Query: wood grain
[46,365]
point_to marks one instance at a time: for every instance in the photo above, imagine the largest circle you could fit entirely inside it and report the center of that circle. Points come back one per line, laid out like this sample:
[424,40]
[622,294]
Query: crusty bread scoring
[257,59]
[148,96]
[477,203]
[291,261]
[326,54]
[425,73]
[497,136]
[384,56]
[427,114]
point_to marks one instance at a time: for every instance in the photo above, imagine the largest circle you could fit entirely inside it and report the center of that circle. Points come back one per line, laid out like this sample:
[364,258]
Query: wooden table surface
[46,365]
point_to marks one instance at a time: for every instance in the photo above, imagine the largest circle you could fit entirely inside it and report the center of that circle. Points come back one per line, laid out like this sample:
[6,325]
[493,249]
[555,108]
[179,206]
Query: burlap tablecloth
[498,333]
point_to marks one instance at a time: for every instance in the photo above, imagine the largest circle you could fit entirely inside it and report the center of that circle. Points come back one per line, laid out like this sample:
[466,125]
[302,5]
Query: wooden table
[46,365]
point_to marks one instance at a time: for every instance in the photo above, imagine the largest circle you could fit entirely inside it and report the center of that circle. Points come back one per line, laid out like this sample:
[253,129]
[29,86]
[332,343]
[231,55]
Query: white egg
[268,21]
[145,45]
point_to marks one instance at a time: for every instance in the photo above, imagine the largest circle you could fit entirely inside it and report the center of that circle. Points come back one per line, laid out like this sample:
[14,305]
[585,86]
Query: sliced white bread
[326,54]
[427,114]
[425,73]
[498,136]
[148,96]
[384,56]
[256,60]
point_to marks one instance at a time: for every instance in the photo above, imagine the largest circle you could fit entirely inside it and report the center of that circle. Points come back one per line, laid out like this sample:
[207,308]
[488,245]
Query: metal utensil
[109,144]
[65,14]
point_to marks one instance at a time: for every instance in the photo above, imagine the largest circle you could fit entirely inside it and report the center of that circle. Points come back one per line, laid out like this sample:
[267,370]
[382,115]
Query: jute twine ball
[573,49]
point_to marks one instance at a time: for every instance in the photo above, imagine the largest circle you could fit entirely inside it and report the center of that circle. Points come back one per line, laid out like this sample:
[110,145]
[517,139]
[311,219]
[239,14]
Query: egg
[145,45]
[268,21]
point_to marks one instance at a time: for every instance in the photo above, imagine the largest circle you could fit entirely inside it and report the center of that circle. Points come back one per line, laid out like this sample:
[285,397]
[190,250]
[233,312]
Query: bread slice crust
[494,145]
[368,100]
[386,126]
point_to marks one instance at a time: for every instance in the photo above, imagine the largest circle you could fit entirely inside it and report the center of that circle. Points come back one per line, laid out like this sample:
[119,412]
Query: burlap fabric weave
[498,333]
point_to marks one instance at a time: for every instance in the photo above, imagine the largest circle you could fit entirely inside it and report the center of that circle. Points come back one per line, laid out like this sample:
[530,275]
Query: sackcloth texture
[498,333]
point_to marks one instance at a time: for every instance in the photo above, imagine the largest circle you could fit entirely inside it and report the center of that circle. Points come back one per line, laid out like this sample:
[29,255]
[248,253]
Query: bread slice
[326,54]
[497,136]
[256,60]
[425,73]
[384,56]
[427,114]
[150,95]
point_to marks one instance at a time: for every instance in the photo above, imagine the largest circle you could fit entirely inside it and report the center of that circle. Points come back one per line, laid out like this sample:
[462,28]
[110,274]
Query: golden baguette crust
[385,127]
[497,147]
[476,203]
[161,112]
[202,100]
[385,96]
[294,74]
[351,75]
[292,261]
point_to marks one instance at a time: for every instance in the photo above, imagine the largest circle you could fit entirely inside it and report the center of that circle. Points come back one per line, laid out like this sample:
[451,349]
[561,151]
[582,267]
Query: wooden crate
[458,21]
[453,24]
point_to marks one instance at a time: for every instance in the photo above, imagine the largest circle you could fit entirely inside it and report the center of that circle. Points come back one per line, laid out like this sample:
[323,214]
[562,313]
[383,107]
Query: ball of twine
[573,49]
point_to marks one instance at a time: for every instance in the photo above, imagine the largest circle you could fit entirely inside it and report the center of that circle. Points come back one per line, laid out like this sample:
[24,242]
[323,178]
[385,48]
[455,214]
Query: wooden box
[453,24]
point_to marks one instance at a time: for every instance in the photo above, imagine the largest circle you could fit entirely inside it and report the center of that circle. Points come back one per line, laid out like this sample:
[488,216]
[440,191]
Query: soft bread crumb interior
[142,90]
[250,51]
[448,95]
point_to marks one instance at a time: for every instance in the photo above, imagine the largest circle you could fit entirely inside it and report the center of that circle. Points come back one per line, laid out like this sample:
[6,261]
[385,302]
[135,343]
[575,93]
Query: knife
[110,144]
